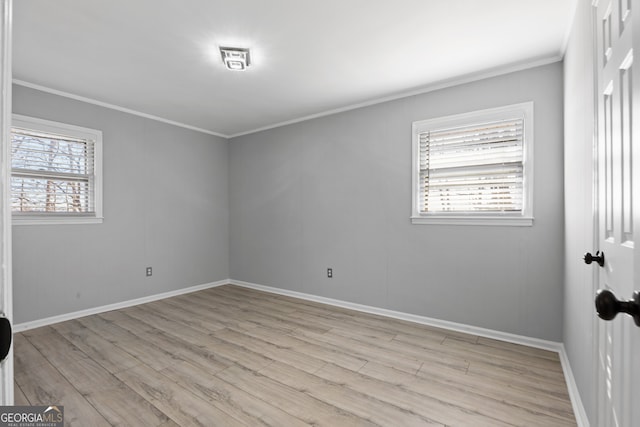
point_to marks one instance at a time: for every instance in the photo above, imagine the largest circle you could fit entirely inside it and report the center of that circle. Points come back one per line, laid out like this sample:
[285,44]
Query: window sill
[56,221]
[475,220]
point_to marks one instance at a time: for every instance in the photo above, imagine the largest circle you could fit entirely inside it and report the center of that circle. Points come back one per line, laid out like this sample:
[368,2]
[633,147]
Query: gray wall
[336,192]
[579,312]
[165,206]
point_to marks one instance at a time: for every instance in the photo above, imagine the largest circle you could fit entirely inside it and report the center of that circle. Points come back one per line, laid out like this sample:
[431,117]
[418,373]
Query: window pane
[474,168]
[30,194]
[40,152]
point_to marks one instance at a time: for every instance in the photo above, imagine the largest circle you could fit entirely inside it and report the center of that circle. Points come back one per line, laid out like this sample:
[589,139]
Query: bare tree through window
[50,173]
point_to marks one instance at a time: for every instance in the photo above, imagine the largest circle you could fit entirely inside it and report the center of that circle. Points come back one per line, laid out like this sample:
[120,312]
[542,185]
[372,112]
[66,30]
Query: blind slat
[26,173]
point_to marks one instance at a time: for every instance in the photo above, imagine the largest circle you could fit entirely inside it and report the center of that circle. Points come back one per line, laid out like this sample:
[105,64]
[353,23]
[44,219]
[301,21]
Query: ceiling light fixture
[235,58]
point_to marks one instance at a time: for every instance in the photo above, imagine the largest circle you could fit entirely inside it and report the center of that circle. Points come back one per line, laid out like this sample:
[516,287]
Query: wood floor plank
[177,313]
[19,398]
[305,345]
[464,397]
[263,313]
[236,402]
[174,345]
[525,396]
[104,352]
[121,406]
[107,394]
[48,341]
[138,346]
[304,362]
[25,356]
[361,332]
[161,321]
[518,377]
[482,361]
[335,394]
[178,343]
[84,373]
[519,348]
[253,300]
[311,410]
[499,355]
[175,401]
[235,356]
[442,411]
[42,384]
[207,312]
[365,351]
[204,385]
[433,354]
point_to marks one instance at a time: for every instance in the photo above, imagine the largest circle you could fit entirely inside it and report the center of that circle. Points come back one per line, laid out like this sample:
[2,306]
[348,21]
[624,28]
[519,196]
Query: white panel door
[617,207]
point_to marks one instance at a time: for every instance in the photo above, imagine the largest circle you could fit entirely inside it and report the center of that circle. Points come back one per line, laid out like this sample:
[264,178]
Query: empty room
[328,213]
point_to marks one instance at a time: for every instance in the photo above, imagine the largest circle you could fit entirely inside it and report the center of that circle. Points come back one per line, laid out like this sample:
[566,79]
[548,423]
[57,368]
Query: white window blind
[477,168]
[54,171]
[474,168]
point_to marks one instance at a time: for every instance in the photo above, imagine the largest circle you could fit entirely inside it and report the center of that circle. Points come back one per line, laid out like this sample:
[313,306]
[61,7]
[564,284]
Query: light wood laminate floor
[231,356]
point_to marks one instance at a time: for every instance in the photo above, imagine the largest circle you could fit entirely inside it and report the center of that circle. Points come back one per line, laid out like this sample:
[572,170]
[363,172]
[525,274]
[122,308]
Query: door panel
[617,207]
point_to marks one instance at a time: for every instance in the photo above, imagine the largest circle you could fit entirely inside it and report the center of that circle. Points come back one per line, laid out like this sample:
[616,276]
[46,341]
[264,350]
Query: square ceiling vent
[235,58]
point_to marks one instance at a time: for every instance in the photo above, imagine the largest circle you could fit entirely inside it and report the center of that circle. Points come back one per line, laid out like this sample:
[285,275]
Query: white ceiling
[310,57]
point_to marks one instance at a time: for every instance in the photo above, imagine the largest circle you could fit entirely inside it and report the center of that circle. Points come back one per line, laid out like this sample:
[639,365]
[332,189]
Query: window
[55,172]
[474,168]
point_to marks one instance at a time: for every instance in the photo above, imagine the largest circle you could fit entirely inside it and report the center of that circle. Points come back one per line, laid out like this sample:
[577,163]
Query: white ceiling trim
[430,88]
[114,107]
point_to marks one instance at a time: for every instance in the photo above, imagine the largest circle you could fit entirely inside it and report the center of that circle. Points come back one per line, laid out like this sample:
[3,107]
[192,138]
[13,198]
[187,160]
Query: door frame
[6,285]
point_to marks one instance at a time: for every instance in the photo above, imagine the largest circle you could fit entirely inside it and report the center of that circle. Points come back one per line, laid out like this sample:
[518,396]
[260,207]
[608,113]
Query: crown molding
[468,78]
[114,107]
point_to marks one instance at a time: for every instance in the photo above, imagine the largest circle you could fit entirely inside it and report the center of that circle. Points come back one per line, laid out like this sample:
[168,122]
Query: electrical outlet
[330,273]
[149,271]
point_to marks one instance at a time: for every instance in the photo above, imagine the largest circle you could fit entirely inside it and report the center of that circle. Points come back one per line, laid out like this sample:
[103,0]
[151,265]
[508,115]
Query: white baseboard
[444,324]
[574,395]
[20,327]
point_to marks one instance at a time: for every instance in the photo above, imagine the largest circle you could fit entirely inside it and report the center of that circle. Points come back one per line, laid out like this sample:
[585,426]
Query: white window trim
[510,219]
[48,126]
